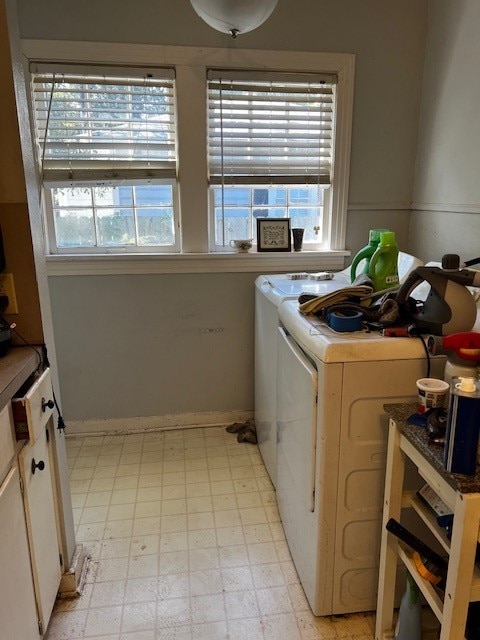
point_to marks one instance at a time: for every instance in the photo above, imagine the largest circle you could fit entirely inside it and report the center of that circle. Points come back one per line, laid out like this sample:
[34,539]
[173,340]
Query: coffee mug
[242,246]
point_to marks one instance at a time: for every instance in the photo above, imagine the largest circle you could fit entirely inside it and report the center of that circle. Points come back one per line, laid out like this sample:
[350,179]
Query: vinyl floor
[186,543]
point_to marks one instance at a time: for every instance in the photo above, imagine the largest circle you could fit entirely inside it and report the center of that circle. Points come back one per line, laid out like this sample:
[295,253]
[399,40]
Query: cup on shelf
[242,246]
[297,239]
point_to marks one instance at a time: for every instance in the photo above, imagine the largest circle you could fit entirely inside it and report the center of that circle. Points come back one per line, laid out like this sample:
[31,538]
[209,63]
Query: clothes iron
[449,306]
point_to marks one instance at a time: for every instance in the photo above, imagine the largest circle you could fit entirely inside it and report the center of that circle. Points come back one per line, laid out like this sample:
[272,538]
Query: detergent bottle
[383,270]
[366,253]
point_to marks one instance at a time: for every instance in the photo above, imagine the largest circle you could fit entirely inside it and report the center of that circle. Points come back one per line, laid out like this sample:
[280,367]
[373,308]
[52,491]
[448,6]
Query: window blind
[104,125]
[273,129]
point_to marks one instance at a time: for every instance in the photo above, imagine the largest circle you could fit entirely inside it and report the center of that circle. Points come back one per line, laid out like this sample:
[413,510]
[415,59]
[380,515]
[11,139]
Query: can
[463,426]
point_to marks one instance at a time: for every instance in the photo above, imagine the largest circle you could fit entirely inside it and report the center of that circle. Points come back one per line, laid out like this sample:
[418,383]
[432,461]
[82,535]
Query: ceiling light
[234,16]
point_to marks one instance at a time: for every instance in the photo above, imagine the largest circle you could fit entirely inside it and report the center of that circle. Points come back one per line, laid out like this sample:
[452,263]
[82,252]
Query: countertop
[432,453]
[16,366]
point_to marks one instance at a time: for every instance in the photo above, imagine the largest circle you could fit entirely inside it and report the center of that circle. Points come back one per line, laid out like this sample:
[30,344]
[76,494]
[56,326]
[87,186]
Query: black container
[297,239]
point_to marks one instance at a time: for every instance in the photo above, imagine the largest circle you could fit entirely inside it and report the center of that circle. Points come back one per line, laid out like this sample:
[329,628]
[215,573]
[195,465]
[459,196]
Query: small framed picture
[273,234]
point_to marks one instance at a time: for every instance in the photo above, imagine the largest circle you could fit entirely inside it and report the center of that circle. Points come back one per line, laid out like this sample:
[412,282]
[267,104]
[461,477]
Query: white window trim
[55,250]
[191,64]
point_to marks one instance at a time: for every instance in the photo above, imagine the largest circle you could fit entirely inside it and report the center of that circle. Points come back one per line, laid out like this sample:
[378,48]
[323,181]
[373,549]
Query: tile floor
[186,544]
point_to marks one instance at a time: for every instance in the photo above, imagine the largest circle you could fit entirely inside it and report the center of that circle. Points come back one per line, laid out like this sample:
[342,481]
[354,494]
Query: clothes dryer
[331,450]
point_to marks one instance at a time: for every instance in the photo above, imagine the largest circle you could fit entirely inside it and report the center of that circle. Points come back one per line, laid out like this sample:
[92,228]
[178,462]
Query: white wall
[447,185]
[122,349]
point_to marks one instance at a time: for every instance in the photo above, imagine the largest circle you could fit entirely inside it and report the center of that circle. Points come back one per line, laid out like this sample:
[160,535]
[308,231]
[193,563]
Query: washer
[331,451]
[270,291]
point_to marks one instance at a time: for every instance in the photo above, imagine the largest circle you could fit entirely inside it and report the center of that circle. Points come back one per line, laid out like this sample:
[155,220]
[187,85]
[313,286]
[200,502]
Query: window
[107,145]
[270,151]
[176,150]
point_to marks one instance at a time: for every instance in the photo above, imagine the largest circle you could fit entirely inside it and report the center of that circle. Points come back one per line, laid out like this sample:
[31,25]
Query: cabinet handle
[37,465]
[47,404]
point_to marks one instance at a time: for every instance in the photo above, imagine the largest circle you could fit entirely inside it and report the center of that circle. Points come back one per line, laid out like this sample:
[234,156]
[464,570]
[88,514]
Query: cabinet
[462,496]
[29,548]
[17,602]
[35,469]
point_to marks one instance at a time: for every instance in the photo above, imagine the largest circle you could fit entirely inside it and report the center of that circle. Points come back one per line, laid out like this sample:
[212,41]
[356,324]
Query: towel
[355,293]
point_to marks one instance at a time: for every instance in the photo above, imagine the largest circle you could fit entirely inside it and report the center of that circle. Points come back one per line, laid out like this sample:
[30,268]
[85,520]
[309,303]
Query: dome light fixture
[234,16]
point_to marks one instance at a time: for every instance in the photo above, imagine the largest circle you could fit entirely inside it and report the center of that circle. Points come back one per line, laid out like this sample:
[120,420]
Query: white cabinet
[18,613]
[35,469]
[30,569]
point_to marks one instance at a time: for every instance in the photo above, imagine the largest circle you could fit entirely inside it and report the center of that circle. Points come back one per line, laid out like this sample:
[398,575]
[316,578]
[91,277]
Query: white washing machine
[331,450]
[270,291]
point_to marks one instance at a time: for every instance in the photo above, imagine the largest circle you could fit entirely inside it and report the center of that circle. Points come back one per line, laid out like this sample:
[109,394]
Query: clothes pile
[245,431]
[375,306]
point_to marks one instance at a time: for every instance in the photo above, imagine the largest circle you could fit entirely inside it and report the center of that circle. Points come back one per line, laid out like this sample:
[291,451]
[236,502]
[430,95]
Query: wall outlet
[7,288]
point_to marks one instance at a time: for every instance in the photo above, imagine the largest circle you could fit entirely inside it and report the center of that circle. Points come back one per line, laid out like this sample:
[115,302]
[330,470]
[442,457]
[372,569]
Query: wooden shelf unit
[462,496]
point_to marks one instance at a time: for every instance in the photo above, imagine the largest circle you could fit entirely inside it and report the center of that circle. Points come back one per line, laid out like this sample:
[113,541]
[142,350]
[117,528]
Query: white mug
[242,246]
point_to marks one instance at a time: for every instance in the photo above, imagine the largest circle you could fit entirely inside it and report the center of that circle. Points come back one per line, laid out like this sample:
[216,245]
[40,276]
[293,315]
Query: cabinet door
[41,524]
[18,614]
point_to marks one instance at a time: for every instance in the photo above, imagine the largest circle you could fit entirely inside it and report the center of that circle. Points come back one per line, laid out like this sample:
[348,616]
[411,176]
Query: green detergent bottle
[383,270]
[365,254]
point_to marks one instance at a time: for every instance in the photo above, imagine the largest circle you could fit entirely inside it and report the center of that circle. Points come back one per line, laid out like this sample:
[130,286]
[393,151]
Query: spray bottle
[409,625]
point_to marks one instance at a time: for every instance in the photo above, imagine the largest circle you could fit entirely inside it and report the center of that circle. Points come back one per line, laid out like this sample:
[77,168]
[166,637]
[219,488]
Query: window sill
[90,265]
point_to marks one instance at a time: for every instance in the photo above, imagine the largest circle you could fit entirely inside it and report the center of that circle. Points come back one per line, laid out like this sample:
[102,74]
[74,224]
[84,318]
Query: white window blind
[270,128]
[104,124]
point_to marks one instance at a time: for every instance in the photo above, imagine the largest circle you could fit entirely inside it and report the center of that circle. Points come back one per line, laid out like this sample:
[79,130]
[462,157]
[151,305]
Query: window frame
[54,249]
[315,167]
[191,64]
[316,245]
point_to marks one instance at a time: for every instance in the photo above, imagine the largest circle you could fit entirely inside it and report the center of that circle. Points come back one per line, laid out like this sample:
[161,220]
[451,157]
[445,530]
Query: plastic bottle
[383,269]
[409,625]
[366,253]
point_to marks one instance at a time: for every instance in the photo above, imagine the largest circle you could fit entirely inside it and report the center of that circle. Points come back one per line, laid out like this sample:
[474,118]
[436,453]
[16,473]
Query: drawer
[7,447]
[34,408]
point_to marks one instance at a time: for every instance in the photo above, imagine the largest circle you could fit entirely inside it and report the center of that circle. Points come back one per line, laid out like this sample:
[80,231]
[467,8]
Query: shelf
[429,474]
[462,496]
[430,520]
[427,589]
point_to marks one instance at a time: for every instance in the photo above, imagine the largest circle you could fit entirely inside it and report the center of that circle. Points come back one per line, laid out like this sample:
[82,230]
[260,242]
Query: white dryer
[331,450]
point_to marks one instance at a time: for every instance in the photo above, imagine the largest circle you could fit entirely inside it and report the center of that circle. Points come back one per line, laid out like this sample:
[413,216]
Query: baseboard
[73,580]
[154,423]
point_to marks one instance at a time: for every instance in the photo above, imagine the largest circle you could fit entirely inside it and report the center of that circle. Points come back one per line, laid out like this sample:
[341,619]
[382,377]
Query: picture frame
[273,234]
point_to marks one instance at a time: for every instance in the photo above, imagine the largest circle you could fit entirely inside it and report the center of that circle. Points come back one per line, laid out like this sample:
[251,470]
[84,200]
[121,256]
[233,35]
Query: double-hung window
[107,148]
[178,150]
[270,152]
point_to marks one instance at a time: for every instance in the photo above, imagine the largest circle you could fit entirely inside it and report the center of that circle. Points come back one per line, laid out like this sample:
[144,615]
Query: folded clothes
[355,293]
